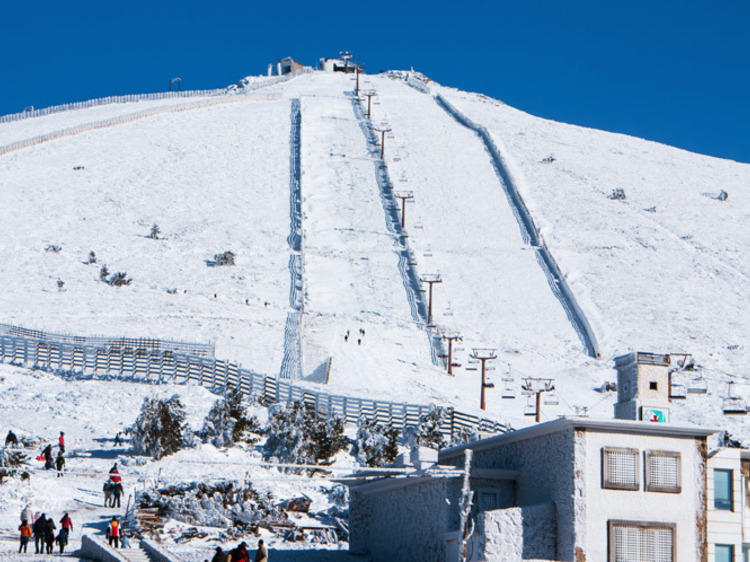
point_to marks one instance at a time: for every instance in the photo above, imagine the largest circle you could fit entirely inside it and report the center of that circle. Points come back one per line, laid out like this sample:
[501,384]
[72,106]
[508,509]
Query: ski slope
[660,271]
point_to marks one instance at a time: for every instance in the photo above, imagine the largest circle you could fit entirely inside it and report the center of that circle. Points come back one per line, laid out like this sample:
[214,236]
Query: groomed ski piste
[661,270]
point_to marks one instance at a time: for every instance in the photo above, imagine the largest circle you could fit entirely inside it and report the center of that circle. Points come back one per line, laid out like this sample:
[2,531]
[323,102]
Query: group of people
[42,529]
[113,488]
[240,554]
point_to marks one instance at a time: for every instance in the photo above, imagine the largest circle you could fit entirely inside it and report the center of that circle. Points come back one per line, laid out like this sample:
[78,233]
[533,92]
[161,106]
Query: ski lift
[551,398]
[733,404]
[697,385]
[677,388]
[530,408]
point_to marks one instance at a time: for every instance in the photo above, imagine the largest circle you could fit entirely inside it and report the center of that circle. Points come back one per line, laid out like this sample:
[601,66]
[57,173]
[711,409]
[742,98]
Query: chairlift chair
[697,385]
[508,388]
[530,408]
[551,399]
[733,404]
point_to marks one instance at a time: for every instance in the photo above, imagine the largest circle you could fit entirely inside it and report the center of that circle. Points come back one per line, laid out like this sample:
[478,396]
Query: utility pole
[382,140]
[430,279]
[450,337]
[404,196]
[466,527]
[536,386]
[369,103]
[484,355]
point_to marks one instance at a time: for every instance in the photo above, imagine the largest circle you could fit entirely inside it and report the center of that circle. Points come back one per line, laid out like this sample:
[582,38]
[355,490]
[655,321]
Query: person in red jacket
[114,475]
[61,441]
[113,533]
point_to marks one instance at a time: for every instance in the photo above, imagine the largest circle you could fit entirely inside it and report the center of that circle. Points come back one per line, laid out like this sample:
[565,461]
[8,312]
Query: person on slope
[219,555]
[11,440]
[38,530]
[113,533]
[47,454]
[49,534]
[261,555]
[239,554]
[61,441]
[25,529]
[117,492]
[60,464]
[27,515]
[114,475]
[66,526]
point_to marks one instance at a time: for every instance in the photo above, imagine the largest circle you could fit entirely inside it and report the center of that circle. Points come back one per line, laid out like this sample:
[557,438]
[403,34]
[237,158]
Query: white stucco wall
[603,505]
[725,527]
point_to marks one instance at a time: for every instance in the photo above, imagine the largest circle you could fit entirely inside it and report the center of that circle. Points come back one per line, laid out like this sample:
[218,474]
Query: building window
[723,489]
[488,500]
[620,468]
[663,471]
[653,385]
[724,553]
[635,540]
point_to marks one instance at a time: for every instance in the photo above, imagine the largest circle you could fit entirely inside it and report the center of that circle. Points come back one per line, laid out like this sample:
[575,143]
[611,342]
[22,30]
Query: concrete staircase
[135,554]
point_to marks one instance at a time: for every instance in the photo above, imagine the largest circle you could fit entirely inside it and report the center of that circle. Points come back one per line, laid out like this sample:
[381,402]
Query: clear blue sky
[675,72]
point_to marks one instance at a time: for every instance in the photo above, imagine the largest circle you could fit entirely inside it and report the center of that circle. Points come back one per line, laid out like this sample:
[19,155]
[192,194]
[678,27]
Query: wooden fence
[161,365]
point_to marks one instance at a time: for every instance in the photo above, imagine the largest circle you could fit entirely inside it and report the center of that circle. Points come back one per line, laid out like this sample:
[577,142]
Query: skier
[38,530]
[219,556]
[61,441]
[113,533]
[261,555]
[11,439]
[60,464]
[49,534]
[239,554]
[25,536]
[66,526]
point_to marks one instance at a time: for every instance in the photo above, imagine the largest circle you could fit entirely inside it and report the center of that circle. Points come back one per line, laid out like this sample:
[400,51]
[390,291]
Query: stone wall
[517,533]
[547,468]
[406,522]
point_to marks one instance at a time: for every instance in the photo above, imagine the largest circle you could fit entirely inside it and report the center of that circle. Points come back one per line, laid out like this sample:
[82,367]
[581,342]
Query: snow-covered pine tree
[160,428]
[227,421]
[297,435]
[427,432]
[376,444]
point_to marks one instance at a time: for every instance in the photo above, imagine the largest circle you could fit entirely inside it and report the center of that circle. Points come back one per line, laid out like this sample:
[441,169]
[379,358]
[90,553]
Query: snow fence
[291,363]
[530,233]
[157,365]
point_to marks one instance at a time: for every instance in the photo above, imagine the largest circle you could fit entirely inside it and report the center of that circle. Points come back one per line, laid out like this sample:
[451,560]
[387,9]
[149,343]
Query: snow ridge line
[291,363]
[129,98]
[75,362]
[39,139]
[409,275]
[529,232]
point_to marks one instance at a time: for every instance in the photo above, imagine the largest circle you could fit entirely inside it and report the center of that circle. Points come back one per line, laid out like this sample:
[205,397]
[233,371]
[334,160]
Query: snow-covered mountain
[659,270]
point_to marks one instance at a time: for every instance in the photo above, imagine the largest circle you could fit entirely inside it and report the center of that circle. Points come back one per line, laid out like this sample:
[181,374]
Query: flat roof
[564,423]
